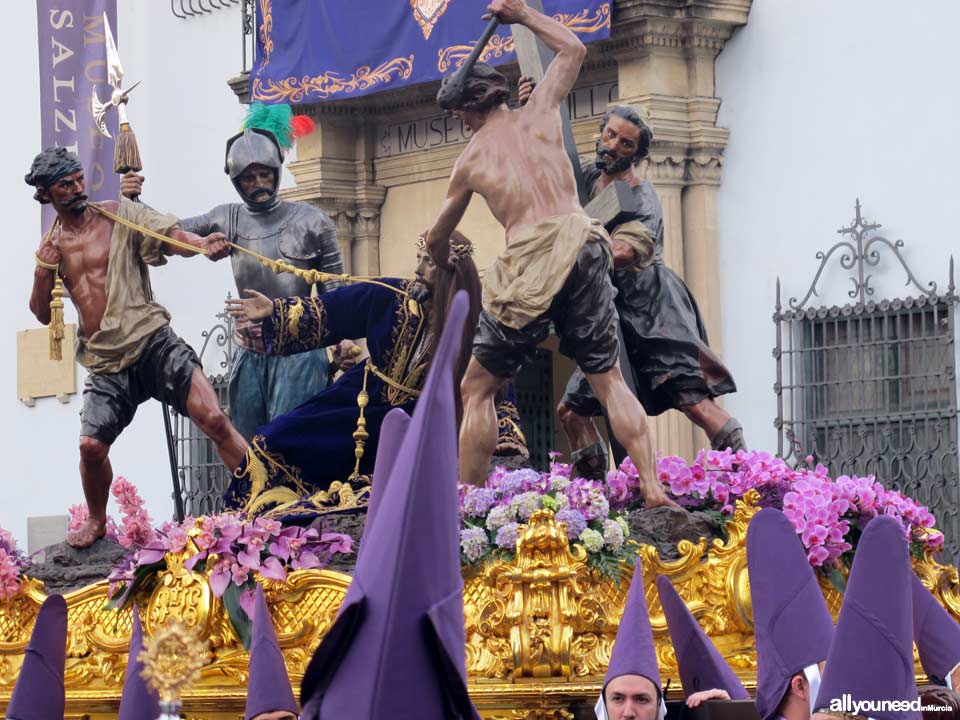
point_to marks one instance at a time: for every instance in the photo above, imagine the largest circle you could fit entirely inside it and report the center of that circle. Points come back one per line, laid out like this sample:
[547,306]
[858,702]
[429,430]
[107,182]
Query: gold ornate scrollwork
[180,594]
[321,87]
[533,607]
[583,23]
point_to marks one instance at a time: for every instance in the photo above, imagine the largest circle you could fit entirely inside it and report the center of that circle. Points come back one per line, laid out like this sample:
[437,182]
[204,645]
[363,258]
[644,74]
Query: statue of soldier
[263,386]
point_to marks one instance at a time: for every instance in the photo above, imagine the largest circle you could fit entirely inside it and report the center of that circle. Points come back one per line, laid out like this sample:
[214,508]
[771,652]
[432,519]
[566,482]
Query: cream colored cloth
[635,234]
[130,317]
[522,282]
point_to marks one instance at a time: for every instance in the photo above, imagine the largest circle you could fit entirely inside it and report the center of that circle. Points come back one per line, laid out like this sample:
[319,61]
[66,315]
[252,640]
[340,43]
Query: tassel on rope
[56,327]
[56,319]
[126,154]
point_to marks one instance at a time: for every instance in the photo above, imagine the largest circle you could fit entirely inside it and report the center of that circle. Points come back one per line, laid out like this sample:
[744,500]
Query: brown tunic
[130,317]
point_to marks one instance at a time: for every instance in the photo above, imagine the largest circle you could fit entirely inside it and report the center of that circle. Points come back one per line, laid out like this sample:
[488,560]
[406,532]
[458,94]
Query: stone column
[665,59]
[701,255]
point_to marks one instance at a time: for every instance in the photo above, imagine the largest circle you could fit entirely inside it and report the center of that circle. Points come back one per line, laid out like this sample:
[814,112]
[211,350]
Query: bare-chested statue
[125,340]
[557,264]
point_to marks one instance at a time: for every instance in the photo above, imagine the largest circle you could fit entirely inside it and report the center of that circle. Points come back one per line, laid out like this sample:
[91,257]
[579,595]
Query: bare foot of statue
[91,531]
[656,497]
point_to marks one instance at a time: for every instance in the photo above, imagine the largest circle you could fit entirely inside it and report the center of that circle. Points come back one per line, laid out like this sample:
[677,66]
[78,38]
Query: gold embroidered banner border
[582,23]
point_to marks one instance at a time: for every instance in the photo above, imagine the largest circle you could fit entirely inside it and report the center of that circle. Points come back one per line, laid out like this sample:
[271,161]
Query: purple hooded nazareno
[268,687]
[871,658]
[791,622]
[40,693]
[139,701]
[397,648]
[700,664]
[634,652]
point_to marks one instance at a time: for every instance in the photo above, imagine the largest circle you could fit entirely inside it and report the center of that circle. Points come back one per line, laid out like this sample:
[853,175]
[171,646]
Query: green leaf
[142,576]
[836,579]
[607,564]
[242,624]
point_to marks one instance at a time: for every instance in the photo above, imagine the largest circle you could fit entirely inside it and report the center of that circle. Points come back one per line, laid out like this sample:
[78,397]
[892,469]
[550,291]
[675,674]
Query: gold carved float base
[539,628]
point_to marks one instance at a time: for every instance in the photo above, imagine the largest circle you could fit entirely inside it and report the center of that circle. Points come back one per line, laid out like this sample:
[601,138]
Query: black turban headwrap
[49,166]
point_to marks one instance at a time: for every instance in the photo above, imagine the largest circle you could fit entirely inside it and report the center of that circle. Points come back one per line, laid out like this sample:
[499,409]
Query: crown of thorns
[458,251]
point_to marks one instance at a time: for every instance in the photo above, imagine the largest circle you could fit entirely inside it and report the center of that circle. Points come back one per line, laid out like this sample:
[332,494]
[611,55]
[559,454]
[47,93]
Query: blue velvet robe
[299,465]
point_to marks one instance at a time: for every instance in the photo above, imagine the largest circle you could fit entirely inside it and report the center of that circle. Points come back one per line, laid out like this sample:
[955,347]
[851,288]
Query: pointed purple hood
[397,648]
[139,701]
[392,432]
[792,624]
[935,632]
[39,693]
[700,664]
[268,688]
[871,657]
[634,652]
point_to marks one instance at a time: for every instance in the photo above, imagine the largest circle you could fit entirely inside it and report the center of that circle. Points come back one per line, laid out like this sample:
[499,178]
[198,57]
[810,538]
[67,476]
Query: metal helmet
[254,146]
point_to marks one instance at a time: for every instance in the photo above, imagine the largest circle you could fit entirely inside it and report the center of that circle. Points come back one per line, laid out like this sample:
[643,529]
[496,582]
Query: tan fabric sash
[130,316]
[522,282]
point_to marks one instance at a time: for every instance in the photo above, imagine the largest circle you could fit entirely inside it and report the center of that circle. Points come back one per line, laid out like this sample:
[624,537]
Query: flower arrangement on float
[12,561]
[828,514]
[134,529]
[492,516]
[233,551]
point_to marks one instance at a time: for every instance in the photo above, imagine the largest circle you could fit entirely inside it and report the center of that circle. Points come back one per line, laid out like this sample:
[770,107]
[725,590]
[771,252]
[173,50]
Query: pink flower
[151,553]
[272,568]
[220,578]
[306,561]
[78,516]
[229,526]
[338,543]
[618,486]
[271,527]
[176,540]
[248,601]
[815,535]
[249,559]
[240,574]
[818,555]
[205,540]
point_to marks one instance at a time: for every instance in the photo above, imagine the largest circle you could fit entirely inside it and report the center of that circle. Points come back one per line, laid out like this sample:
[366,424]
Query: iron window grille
[869,388]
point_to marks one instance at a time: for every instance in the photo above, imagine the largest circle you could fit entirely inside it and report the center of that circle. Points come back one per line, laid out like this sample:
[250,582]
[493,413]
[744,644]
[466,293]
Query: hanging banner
[309,51]
[73,61]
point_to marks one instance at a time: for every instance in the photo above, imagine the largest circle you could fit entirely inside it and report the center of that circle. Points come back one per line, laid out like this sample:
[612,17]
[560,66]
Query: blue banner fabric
[309,51]
[73,63]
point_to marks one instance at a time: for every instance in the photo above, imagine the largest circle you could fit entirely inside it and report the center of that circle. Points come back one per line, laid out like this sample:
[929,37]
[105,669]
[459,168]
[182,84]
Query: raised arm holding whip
[556,267]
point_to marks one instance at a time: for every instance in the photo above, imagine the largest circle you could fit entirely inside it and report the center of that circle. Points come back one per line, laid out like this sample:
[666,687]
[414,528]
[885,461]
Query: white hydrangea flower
[592,540]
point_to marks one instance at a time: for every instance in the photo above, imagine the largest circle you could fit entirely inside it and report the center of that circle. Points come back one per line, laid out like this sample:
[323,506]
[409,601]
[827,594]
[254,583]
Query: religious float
[541,607]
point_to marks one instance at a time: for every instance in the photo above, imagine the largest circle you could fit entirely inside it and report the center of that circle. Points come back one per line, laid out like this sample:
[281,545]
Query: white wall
[182,115]
[826,102]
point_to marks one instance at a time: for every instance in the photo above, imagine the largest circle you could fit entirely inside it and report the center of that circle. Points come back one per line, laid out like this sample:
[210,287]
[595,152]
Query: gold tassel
[126,154]
[360,434]
[56,319]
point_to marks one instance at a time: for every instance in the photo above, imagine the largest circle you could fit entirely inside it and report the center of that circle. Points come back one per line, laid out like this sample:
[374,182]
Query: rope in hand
[278,266]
